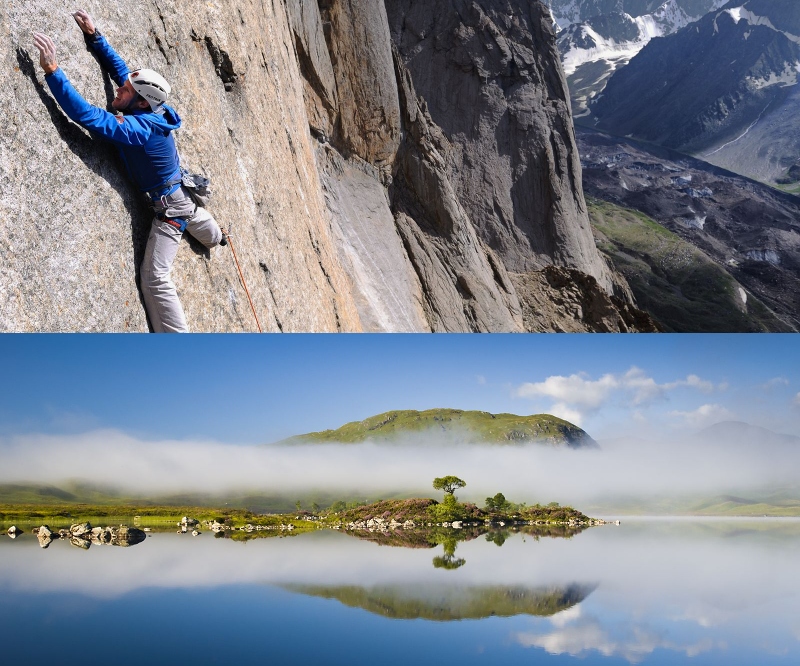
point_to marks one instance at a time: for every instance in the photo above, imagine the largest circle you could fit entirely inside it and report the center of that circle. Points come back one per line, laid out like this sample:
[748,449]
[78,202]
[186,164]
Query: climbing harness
[178,223]
[196,186]
[241,277]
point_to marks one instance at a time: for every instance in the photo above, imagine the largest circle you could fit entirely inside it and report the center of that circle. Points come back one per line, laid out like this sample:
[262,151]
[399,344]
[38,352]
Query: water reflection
[83,535]
[715,591]
[448,561]
[446,603]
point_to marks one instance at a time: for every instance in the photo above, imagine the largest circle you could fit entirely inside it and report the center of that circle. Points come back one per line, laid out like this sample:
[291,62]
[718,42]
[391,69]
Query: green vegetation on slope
[69,513]
[469,426]
[447,603]
[114,502]
[672,280]
[425,510]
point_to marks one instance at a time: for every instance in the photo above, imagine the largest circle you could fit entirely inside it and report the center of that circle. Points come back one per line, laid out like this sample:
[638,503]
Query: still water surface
[646,592]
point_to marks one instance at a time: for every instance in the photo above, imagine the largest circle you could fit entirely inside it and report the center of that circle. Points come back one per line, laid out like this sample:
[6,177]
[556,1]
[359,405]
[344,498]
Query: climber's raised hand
[47,52]
[84,21]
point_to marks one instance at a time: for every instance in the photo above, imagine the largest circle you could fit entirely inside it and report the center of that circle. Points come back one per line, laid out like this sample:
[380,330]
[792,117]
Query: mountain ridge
[728,90]
[463,425]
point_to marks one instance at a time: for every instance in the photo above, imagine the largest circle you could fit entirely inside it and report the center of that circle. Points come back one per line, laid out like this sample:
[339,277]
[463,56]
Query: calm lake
[651,591]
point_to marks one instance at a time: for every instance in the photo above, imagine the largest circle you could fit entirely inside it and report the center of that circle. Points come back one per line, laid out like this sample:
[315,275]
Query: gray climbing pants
[159,292]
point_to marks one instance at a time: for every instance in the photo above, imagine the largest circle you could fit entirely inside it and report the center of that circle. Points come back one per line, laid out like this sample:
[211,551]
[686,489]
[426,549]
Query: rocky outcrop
[466,287]
[83,535]
[45,535]
[366,189]
[561,300]
[490,73]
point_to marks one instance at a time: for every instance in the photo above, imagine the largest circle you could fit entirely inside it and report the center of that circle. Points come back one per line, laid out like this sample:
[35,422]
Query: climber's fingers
[47,52]
[84,21]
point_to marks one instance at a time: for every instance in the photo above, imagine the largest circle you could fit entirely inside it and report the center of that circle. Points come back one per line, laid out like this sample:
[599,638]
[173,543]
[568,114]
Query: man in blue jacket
[142,130]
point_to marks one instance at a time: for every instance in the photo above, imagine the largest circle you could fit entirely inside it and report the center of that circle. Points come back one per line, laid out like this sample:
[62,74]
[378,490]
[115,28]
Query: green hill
[448,603]
[468,426]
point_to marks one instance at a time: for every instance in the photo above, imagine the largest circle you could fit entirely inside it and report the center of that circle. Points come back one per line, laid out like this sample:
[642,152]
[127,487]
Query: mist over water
[531,473]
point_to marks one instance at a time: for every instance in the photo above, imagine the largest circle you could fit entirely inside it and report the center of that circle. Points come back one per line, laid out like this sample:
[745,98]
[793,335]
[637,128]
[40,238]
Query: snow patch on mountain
[581,43]
[566,14]
[788,77]
[613,52]
[744,14]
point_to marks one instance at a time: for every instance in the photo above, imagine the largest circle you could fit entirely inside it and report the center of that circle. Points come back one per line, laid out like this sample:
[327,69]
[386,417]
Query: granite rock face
[490,73]
[73,228]
[368,185]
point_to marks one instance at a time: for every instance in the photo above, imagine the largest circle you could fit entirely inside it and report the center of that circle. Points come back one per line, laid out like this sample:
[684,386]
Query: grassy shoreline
[420,511]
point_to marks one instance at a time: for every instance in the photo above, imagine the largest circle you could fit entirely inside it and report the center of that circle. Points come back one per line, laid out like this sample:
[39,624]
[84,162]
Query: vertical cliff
[490,73]
[396,170]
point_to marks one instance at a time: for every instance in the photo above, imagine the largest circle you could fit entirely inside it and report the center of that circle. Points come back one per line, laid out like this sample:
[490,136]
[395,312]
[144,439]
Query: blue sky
[255,389]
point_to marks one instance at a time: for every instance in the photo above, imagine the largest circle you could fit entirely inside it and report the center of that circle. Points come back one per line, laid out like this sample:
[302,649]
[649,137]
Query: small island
[421,521]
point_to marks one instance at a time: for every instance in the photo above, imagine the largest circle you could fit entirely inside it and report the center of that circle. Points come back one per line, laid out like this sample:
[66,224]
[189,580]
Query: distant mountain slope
[566,12]
[741,433]
[675,282]
[748,229]
[596,46]
[724,88]
[468,426]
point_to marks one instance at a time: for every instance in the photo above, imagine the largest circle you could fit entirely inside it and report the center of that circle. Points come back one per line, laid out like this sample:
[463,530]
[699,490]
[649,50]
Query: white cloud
[480,379]
[704,415]
[567,413]
[580,394]
[797,400]
[775,382]
[575,389]
[695,382]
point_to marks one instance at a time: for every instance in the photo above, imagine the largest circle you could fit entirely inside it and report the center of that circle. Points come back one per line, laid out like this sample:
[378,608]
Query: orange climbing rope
[244,284]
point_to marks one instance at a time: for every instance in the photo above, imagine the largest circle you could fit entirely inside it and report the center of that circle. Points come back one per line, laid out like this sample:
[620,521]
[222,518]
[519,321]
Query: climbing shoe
[224,240]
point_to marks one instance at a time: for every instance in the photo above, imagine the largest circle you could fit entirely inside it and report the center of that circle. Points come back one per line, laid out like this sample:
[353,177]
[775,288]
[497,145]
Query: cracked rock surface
[383,166]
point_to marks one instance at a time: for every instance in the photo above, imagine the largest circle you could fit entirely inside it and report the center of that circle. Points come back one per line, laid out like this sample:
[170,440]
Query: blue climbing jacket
[144,137]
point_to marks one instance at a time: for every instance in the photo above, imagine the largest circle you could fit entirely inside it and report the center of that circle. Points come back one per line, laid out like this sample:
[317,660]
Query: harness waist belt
[169,188]
[178,223]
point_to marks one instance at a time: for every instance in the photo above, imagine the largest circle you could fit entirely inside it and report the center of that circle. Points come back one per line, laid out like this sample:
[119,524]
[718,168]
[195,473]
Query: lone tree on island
[449,509]
[449,484]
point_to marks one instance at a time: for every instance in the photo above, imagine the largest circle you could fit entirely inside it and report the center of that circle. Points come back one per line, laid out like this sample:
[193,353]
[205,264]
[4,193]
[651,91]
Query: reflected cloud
[564,617]
[580,635]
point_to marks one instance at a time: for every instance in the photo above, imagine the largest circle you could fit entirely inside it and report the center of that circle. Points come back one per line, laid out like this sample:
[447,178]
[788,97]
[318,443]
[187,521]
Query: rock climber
[142,130]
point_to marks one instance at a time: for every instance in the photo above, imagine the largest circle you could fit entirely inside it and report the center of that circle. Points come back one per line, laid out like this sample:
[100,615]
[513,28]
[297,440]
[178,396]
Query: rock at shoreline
[127,536]
[45,536]
[80,529]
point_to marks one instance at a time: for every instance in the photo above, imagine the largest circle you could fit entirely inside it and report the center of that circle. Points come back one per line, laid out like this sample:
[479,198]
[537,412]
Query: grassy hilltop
[469,426]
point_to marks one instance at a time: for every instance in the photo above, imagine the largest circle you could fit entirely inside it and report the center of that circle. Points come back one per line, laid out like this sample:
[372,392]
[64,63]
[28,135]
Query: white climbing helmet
[150,85]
